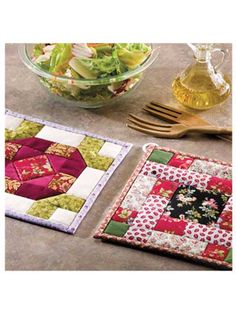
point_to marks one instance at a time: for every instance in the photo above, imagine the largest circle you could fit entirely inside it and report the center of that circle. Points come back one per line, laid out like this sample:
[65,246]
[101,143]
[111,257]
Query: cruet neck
[202,52]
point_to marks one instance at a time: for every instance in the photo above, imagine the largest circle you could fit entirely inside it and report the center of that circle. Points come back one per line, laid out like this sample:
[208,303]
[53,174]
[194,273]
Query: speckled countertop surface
[31,247]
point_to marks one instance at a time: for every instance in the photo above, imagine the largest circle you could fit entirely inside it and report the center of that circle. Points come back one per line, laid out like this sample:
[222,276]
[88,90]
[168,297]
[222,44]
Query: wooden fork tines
[174,115]
[171,130]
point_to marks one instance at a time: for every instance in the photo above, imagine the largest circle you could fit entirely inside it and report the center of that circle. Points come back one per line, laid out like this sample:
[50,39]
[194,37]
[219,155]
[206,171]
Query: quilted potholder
[175,203]
[55,173]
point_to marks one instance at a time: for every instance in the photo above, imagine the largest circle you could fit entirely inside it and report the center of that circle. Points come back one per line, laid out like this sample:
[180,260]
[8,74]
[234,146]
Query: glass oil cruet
[201,86]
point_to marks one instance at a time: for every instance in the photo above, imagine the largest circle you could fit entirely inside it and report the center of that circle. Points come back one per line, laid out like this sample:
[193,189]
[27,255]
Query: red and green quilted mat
[53,173]
[175,203]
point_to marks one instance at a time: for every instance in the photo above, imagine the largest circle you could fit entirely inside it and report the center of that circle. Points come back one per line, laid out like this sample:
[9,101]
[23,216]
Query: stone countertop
[31,247]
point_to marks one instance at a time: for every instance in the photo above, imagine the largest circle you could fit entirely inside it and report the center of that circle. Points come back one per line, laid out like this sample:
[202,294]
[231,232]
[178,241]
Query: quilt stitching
[186,213]
[45,173]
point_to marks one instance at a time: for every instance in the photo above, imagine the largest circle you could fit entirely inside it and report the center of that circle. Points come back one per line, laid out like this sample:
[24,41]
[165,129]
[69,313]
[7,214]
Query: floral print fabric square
[180,161]
[54,174]
[195,205]
[61,182]
[208,167]
[171,225]
[218,252]
[11,186]
[225,220]
[178,203]
[60,150]
[175,242]
[34,167]
[124,215]
[164,188]
[138,192]
[220,185]
[11,149]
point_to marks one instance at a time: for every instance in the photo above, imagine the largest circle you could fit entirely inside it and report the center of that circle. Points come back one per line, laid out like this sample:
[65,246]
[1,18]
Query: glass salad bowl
[88,91]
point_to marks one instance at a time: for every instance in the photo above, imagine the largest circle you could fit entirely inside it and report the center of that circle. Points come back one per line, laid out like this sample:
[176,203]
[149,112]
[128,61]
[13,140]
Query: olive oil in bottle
[200,86]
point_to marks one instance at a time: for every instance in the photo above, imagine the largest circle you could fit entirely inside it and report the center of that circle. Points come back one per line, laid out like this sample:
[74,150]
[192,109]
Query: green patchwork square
[160,156]
[229,257]
[24,130]
[116,228]
[42,209]
[46,207]
[89,149]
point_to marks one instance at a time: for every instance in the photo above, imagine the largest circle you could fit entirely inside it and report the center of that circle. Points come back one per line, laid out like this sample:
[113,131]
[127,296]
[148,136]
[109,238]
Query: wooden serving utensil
[172,130]
[170,114]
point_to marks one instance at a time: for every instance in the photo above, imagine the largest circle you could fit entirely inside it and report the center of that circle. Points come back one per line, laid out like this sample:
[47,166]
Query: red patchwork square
[225,220]
[124,215]
[218,252]
[11,149]
[61,182]
[11,186]
[171,225]
[34,167]
[164,188]
[180,161]
[220,185]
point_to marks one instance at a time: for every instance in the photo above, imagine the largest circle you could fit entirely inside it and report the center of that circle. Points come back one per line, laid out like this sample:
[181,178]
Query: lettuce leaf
[132,55]
[60,57]
[106,59]
[83,68]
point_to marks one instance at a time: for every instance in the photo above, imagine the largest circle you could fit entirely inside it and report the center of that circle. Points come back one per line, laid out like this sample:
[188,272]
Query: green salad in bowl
[90,74]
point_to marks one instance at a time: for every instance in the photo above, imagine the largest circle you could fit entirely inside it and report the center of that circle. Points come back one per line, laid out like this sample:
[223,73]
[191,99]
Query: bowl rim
[23,53]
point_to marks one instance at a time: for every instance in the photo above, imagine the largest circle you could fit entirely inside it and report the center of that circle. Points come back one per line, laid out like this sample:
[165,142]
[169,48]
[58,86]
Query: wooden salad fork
[172,130]
[170,114]
[174,115]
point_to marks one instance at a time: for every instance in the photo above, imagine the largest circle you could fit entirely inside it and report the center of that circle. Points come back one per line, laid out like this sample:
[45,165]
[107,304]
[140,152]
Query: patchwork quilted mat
[53,173]
[175,203]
